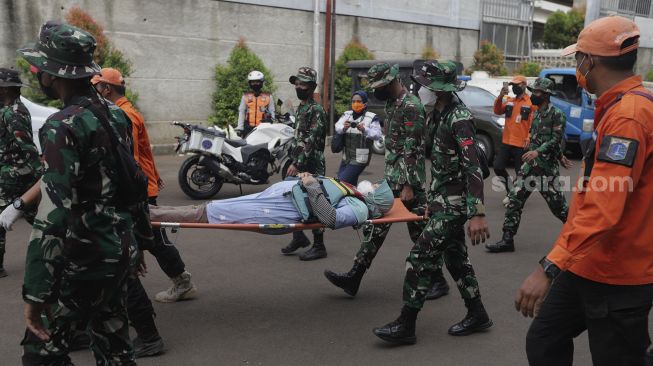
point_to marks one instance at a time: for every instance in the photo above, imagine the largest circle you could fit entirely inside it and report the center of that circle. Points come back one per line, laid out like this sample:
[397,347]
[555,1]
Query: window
[476,97]
[566,88]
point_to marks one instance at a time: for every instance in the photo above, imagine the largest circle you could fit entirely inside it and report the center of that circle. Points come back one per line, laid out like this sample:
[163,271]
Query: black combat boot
[476,319]
[299,240]
[3,273]
[506,244]
[440,288]
[148,342]
[317,251]
[349,281]
[402,330]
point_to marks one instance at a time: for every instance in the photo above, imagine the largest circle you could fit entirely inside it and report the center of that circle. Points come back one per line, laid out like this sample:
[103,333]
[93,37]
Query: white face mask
[426,96]
[365,187]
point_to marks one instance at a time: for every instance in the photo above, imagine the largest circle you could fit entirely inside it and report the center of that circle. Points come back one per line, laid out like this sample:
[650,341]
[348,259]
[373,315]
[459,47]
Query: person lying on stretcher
[304,199]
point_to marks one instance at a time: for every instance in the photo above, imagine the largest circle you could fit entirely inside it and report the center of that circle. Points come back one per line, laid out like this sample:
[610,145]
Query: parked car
[489,127]
[39,114]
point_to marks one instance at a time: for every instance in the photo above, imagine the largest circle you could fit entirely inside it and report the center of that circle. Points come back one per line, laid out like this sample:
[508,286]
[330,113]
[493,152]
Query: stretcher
[398,213]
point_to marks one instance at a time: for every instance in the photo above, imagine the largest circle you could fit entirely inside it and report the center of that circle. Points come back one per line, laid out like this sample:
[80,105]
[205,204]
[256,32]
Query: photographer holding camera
[355,131]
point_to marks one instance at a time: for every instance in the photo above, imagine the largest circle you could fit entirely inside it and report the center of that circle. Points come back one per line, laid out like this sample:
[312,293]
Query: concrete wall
[175,44]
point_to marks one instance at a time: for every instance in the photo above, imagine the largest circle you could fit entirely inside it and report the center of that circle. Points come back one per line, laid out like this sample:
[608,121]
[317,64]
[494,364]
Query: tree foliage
[562,29]
[429,53]
[649,75]
[489,58]
[528,69]
[231,83]
[354,50]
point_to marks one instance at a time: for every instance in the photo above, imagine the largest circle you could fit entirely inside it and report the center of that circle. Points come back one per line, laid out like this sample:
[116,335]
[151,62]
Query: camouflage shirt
[310,133]
[457,180]
[78,233]
[17,149]
[404,145]
[547,132]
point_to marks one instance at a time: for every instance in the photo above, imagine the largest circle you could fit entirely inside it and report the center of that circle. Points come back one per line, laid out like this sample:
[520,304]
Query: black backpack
[132,181]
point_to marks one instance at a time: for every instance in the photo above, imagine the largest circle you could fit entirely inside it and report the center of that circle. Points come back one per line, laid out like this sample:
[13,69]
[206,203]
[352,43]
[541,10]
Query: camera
[353,124]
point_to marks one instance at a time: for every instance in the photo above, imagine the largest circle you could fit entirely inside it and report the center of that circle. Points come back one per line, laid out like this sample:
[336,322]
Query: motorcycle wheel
[378,147]
[284,169]
[197,181]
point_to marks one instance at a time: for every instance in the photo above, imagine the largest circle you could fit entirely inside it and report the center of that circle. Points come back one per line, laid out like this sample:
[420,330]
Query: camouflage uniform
[546,134]
[404,159]
[310,130]
[455,195]
[82,243]
[20,165]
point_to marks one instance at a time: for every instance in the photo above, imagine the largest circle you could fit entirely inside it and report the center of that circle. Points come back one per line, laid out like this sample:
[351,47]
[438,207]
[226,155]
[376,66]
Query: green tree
[649,75]
[562,29]
[106,55]
[354,50]
[231,83]
[489,58]
[528,69]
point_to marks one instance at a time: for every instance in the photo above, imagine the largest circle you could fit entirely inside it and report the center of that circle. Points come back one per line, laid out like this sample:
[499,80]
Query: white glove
[9,216]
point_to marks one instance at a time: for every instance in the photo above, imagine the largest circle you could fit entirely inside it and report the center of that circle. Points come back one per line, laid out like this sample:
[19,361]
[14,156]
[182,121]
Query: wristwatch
[19,204]
[551,270]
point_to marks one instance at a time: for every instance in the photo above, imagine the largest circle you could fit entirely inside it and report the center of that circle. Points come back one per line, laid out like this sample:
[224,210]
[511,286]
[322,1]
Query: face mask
[536,100]
[256,86]
[518,90]
[303,94]
[47,90]
[381,94]
[582,78]
[427,96]
[365,187]
[357,106]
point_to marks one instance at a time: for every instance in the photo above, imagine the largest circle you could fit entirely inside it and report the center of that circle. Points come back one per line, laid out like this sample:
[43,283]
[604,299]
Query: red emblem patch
[466,142]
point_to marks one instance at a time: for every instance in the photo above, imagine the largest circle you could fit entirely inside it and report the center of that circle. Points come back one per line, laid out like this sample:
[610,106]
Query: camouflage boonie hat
[64,51]
[305,74]
[543,84]
[381,75]
[438,76]
[9,78]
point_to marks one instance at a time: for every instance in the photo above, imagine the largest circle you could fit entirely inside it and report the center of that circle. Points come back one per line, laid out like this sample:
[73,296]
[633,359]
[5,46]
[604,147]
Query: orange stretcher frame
[398,213]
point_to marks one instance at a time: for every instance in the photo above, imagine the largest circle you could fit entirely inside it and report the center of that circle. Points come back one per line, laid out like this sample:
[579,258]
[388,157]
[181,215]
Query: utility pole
[592,11]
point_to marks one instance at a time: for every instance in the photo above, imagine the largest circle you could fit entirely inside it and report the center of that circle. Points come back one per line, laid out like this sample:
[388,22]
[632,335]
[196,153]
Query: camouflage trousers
[529,179]
[97,307]
[374,235]
[315,164]
[442,238]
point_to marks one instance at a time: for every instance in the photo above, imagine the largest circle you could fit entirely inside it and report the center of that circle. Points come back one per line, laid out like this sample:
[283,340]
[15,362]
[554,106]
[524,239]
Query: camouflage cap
[9,78]
[64,51]
[438,76]
[543,84]
[305,74]
[381,75]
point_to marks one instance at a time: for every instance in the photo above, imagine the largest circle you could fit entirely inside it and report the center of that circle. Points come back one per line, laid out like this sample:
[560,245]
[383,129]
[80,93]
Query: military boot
[317,251]
[506,244]
[440,288]
[476,319]
[148,342]
[299,240]
[3,273]
[349,281]
[182,288]
[402,330]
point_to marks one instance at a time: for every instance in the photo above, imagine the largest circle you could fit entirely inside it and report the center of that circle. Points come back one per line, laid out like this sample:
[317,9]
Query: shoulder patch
[410,114]
[618,150]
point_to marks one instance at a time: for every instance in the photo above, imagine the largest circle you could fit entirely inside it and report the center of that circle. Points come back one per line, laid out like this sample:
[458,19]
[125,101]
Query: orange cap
[604,37]
[518,79]
[110,76]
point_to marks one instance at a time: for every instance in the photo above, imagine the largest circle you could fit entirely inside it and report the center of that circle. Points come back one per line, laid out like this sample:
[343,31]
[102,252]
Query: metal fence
[630,8]
[509,25]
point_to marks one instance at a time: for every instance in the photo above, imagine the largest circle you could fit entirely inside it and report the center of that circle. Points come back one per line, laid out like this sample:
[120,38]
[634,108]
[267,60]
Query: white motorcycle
[219,156]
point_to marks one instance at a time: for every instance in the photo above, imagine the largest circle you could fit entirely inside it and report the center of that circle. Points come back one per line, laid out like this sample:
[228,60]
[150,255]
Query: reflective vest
[357,147]
[257,107]
[334,191]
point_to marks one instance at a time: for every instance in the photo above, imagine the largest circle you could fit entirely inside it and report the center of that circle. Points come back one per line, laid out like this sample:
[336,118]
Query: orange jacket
[515,130]
[256,107]
[608,236]
[142,148]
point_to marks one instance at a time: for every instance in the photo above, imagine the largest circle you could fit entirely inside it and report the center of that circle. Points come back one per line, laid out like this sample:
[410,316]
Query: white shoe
[181,289]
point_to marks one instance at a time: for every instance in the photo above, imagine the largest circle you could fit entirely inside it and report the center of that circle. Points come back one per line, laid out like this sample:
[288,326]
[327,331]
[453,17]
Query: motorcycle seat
[236,143]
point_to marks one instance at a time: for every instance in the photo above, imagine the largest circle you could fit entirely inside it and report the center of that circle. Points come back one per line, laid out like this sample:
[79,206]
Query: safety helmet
[255,75]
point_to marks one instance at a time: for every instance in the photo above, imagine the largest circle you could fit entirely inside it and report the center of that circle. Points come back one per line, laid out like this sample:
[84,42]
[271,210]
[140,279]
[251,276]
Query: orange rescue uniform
[256,108]
[142,148]
[515,130]
[608,236]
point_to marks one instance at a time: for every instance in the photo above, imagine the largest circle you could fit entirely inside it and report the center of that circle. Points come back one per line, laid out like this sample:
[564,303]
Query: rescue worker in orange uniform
[518,113]
[255,105]
[599,275]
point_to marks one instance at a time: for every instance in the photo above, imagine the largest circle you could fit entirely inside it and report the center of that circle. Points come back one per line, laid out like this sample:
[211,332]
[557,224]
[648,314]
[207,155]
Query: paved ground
[258,307]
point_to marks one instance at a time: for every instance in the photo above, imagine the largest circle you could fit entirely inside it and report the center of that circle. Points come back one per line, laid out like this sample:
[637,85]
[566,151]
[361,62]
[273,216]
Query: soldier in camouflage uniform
[308,153]
[540,169]
[455,196]
[82,241]
[404,171]
[20,167]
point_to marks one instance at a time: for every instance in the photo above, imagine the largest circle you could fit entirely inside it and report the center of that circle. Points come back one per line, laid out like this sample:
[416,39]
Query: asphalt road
[257,307]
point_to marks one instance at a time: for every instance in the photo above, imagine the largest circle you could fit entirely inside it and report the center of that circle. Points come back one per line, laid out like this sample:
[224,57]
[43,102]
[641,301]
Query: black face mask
[536,100]
[47,90]
[256,87]
[518,90]
[303,94]
[381,94]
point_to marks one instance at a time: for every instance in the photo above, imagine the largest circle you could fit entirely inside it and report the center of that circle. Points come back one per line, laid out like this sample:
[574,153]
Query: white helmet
[255,75]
